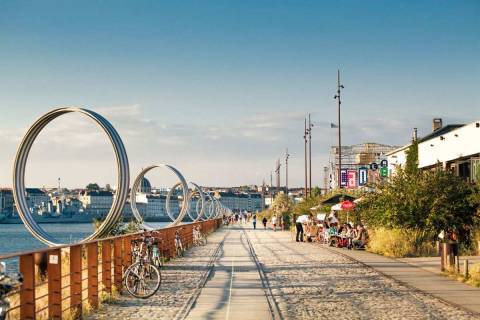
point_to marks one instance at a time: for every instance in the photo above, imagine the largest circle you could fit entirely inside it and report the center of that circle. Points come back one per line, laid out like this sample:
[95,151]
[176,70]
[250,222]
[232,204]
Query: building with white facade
[452,147]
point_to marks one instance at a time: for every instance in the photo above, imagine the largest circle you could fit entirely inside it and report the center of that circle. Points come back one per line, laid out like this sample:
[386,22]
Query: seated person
[361,238]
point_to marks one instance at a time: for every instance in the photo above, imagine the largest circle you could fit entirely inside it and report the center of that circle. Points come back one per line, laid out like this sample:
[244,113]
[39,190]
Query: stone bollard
[465,268]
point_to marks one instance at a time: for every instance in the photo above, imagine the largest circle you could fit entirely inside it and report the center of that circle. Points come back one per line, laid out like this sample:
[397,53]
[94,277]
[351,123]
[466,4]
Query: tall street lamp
[337,96]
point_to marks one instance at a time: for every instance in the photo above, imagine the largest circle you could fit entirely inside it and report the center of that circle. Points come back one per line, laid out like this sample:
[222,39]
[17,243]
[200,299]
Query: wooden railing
[68,281]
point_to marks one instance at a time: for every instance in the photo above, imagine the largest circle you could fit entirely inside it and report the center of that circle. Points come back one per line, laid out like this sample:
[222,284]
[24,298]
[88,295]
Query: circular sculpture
[201,201]
[182,182]
[123,179]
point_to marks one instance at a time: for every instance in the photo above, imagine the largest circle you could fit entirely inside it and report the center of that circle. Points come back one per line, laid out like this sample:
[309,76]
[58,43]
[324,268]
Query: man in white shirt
[301,220]
[274,222]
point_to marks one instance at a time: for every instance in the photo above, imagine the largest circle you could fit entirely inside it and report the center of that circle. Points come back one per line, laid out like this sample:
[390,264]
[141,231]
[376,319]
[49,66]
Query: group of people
[330,231]
[273,220]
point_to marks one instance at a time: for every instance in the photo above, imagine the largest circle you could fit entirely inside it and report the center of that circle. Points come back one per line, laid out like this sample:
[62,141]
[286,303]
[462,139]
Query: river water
[15,237]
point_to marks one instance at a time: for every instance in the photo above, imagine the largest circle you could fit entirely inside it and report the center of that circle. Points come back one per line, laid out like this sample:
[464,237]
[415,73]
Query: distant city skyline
[220,89]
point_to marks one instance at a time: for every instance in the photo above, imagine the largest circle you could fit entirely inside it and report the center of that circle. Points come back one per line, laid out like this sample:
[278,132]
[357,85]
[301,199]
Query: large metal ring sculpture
[185,204]
[200,212]
[123,179]
[210,207]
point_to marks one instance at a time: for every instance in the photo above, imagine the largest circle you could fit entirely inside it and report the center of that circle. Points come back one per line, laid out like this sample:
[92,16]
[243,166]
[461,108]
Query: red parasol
[347,205]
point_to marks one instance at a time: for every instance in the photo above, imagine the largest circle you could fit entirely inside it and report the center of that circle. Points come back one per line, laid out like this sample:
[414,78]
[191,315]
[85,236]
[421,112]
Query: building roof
[440,132]
[96,193]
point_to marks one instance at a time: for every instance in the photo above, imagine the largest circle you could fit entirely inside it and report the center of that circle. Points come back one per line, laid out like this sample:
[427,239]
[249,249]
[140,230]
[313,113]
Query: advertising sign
[384,163]
[352,178]
[373,166]
[362,176]
[343,177]
[384,172]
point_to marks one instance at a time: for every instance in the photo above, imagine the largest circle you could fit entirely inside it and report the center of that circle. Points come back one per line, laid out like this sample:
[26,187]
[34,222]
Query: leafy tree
[430,201]
[93,187]
[316,192]
[411,166]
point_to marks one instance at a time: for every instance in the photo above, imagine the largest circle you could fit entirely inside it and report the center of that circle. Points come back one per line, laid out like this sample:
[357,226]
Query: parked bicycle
[199,239]
[143,278]
[179,249]
[7,285]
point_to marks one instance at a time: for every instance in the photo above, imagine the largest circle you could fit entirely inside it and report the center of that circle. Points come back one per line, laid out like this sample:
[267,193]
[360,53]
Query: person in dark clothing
[299,225]
[254,222]
[264,221]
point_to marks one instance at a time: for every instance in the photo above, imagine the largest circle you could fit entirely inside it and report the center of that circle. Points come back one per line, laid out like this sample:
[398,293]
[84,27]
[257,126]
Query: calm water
[14,237]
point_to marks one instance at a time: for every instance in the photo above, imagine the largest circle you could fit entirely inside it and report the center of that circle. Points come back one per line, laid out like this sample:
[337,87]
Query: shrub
[475,275]
[400,243]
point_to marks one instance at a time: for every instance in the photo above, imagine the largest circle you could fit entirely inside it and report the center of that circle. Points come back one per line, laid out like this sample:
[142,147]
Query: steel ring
[123,178]
[200,212]
[211,206]
[133,194]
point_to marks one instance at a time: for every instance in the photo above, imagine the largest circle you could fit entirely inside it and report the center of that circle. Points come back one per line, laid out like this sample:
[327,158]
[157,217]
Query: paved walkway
[235,290]
[307,281]
[421,274]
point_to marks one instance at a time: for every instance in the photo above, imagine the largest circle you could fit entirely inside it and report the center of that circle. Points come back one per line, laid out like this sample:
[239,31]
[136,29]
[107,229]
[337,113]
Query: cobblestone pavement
[179,281]
[307,281]
[310,282]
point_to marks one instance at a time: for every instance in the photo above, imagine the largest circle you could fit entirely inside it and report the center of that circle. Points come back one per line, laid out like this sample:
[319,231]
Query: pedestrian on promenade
[274,223]
[301,220]
[264,221]
[254,222]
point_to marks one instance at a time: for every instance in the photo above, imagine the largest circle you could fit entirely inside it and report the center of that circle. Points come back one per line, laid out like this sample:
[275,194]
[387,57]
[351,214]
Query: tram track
[188,306]
[272,304]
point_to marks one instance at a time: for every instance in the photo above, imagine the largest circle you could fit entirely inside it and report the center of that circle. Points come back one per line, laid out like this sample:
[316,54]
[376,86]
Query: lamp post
[310,126]
[305,137]
[337,96]
[287,155]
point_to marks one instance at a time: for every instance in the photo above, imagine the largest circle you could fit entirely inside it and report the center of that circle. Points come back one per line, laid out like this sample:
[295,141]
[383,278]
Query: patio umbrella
[347,206]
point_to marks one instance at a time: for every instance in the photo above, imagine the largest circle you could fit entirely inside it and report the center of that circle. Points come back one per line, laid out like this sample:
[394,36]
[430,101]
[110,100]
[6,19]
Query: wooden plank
[76,279]
[92,260]
[27,292]
[117,267]
[107,265]
[54,284]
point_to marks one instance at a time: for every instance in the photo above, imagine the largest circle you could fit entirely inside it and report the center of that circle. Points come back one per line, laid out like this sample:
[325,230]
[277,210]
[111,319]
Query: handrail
[78,273]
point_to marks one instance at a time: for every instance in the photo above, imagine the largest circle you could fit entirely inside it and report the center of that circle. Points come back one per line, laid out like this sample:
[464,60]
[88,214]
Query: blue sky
[220,88]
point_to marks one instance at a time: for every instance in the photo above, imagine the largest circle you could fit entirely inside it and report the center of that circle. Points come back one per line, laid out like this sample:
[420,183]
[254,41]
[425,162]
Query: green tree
[93,187]
[411,166]
[430,201]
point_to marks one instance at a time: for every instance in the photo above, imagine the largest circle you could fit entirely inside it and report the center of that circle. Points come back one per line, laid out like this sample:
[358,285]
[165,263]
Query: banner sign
[343,177]
[384,163]
[362,176]
[352,179]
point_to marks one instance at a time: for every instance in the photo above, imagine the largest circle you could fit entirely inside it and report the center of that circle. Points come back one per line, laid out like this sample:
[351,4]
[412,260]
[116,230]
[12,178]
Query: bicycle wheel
[142,280]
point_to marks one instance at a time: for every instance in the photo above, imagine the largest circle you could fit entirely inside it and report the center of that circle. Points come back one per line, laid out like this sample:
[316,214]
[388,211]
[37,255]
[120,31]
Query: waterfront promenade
[261,274]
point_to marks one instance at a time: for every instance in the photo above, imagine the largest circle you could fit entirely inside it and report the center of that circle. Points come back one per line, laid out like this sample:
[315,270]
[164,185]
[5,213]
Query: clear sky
[220,88]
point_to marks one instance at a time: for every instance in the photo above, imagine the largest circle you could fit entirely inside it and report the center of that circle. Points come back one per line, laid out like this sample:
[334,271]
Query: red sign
[352,179]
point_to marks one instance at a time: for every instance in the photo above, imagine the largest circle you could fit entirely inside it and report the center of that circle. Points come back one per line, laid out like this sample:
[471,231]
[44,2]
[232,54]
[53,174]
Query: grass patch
[400,243]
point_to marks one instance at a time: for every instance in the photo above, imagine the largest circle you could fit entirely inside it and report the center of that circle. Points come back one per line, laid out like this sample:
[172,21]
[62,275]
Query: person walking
[301,220]
[264,221]
[274,223]
[254,222]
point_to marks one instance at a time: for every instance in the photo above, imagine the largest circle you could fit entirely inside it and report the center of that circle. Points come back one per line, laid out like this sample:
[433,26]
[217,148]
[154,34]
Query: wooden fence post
[92,258]
[107,265]
[54,284]
[76,279]
[27,292]
[117,267]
